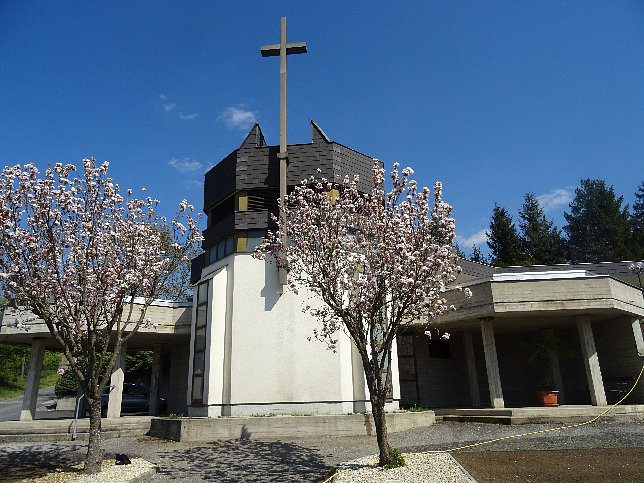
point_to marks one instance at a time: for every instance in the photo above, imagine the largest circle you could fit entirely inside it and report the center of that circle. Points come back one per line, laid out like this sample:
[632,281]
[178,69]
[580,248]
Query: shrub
[67,384]
[51,361]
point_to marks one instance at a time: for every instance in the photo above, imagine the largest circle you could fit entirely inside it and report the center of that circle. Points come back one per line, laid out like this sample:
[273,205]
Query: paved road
[10,408]
[312,459]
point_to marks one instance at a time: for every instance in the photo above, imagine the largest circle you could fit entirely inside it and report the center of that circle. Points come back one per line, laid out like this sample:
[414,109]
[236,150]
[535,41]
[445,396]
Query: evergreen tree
[504,241]
[459,252]
[637,241]
[598,228]
[542,241]
[477,256]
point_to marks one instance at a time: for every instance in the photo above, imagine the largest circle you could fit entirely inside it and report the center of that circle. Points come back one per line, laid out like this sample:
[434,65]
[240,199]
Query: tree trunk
[378,413]
[94,456]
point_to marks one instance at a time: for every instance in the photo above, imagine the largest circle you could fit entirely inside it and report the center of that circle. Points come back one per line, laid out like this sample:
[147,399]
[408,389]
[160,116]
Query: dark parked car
[135,399]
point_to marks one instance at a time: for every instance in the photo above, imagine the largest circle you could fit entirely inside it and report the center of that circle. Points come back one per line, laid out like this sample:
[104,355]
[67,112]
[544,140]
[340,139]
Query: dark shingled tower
[241,191]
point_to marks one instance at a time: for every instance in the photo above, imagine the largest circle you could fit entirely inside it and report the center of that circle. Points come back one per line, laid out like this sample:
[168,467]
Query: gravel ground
[428,468]
[314,459]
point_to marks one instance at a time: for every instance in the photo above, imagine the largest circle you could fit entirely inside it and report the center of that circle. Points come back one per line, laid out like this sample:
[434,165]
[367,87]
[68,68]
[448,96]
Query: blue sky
[493,98]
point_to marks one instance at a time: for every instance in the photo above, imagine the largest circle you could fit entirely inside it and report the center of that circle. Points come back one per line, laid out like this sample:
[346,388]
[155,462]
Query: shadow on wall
[245,434]
[243,460]
[270,293]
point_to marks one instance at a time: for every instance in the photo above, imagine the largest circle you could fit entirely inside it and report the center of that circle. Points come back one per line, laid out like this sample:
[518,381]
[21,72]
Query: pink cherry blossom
[76,253]
[379,261]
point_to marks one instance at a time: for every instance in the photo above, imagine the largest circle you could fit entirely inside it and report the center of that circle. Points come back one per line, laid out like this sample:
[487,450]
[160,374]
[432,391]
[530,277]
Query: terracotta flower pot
[548,398]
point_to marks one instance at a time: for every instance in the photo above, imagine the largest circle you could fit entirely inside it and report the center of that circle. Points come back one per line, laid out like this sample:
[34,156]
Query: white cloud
[477,239]
[555,199]
[238,117]
[171,106]
[167,106]
[193,183]
[185,165]
[187,117]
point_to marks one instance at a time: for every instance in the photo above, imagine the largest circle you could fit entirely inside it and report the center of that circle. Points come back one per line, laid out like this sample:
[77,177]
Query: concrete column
[153,408]
[395,376]
[492,364]
[591,361]
[344,348]
[360,390]
[553,360]
[637,333]
[30,398]
[116,381]
[215,354]
[470,361]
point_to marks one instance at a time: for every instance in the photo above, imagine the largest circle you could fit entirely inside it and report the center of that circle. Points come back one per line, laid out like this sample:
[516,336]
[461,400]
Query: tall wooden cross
[283,49]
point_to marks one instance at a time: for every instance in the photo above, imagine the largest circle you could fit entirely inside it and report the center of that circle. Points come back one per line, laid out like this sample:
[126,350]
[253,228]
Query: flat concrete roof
[534,302]
[172,321]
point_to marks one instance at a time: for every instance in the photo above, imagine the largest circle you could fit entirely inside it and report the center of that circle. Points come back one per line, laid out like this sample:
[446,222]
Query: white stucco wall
[272,360]
[259,359]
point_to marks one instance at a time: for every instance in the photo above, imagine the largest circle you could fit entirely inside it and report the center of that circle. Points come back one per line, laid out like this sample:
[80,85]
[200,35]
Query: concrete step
[213,429]
[541,415]
[63,429]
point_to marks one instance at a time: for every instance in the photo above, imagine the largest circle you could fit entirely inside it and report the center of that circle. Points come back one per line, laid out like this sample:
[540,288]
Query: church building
[250,351]
[244,346]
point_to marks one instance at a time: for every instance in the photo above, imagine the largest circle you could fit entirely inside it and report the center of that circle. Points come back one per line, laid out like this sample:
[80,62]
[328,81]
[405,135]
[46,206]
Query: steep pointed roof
[317,134]
[255,138]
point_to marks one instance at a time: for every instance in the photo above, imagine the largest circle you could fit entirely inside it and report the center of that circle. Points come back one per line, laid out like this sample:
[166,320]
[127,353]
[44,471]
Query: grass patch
[175,416]
[47,380]
[417,409]
[16,387]
[11,389]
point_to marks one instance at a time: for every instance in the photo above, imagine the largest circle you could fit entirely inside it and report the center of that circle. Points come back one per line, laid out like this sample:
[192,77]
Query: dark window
[221,249]
[199,359]
[255,239]
[222,210]
[134,391]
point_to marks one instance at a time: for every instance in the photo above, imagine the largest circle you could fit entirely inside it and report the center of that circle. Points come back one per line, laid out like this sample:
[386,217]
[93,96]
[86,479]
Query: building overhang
[524,303]
[169,323]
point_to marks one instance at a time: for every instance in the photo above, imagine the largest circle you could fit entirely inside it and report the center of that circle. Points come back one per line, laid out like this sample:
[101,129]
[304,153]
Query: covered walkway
[486,363]
[168,337]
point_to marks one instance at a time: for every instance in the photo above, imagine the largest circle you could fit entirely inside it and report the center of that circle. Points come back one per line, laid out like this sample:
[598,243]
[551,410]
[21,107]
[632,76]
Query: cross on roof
[283,49]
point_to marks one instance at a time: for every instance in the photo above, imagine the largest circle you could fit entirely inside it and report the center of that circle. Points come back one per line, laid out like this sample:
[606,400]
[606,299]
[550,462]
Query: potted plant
[540,351]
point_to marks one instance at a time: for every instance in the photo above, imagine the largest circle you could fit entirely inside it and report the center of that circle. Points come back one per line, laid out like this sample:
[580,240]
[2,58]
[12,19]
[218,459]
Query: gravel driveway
[313,459]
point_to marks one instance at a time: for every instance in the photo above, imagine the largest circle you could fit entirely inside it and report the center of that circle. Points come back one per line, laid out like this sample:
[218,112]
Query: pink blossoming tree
[75,253]
[379,261]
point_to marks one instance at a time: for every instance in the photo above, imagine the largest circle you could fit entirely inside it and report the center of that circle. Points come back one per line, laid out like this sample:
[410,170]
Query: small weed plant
[416,409]
[398,460]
